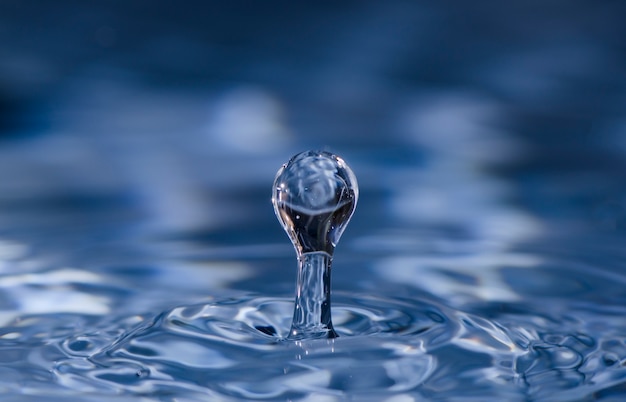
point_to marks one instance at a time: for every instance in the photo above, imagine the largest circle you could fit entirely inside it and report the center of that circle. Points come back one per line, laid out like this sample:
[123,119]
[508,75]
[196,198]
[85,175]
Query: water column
[314,196]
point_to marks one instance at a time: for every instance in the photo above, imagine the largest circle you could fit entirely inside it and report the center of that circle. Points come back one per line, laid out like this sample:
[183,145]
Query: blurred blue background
[139,141]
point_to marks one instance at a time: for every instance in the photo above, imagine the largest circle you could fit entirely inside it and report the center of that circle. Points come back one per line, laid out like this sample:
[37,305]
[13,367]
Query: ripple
[237,348]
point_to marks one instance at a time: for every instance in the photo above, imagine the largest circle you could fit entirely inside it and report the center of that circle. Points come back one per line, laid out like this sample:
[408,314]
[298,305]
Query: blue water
[140,258]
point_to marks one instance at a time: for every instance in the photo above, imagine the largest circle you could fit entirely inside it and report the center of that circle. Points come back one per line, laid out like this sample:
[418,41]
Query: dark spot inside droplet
[267,330]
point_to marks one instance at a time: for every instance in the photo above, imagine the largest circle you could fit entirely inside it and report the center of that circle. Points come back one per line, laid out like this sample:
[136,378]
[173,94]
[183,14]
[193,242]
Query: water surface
[140,259]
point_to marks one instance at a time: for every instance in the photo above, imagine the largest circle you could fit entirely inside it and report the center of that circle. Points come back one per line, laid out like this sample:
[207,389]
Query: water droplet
[315,194]
[318,189]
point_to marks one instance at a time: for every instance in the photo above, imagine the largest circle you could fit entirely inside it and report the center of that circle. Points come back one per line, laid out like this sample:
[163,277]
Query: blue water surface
[140,258]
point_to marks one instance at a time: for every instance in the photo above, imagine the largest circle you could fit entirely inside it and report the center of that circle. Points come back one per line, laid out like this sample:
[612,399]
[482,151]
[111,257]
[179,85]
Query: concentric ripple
[238,349]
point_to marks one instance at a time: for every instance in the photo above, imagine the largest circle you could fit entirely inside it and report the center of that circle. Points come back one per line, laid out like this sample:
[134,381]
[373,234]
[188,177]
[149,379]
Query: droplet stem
[311,315]
[314,196]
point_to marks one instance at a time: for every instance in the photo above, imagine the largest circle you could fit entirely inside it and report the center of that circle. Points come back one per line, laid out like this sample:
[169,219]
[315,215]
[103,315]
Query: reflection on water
[140,258]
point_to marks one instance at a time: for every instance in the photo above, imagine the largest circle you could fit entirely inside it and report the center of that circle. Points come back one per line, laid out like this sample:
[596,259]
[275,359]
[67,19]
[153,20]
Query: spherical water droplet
[315,194]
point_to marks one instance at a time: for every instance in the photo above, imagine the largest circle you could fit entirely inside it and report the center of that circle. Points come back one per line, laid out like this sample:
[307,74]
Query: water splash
[314,196]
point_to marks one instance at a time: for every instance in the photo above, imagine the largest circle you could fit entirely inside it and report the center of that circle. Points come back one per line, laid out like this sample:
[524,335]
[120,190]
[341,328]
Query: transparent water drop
[314,196]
